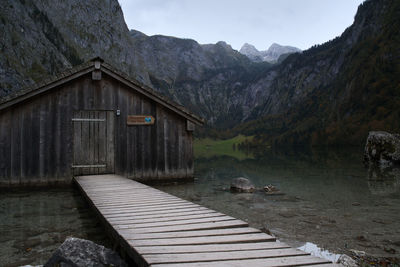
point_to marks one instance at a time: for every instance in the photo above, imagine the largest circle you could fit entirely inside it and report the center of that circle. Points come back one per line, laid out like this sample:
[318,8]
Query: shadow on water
[328,197]
[35,222]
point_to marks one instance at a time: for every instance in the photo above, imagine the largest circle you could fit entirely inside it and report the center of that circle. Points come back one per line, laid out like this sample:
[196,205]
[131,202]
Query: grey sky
[300,23]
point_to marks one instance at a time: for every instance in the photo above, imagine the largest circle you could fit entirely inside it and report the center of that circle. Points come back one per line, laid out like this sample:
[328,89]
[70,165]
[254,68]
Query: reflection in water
[384,180]
[33,223]
[326,200]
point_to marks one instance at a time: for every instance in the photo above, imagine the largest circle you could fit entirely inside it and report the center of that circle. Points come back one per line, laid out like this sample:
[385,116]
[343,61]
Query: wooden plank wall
[5,159]
[36,136]
[151,152]
[93,142]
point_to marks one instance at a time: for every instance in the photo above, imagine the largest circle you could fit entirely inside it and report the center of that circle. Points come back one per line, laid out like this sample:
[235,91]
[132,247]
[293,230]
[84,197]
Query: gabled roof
[87,67]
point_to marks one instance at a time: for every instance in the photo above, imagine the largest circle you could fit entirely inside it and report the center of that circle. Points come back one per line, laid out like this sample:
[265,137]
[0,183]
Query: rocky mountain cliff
[272,55]
[43,37]
[49,36]
[208,79]
[329,94]
[336,92]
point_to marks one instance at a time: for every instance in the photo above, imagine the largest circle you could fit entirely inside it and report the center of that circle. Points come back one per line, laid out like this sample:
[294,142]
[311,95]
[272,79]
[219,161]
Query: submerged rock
[270,188]
[382,149]
[242,185]
[75,252]
[347,261]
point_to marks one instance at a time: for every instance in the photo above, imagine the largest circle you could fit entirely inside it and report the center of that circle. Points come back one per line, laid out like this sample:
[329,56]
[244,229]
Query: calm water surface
[329,198]
[33,223]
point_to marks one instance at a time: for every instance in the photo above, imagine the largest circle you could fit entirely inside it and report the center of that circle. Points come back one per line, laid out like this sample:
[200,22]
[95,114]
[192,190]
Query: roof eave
[108,69]
[44,88]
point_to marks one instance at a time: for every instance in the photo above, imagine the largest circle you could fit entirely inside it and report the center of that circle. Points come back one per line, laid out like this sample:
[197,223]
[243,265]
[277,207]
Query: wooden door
[93,142]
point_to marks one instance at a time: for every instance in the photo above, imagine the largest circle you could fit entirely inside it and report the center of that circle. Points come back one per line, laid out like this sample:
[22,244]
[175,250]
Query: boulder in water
[270,188]
[382,149]
[242,185]
[75,252]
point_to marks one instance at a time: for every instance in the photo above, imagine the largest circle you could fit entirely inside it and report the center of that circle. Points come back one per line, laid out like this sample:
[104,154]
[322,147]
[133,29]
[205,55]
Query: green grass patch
[207,148]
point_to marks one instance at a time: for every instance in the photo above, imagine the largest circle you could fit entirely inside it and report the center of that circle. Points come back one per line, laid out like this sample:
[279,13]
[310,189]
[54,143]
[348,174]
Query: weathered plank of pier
[158,229]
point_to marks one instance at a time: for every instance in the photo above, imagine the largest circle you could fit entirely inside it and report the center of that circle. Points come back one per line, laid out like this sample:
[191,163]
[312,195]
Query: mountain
[336,92]
[330,94]
[271,55]
[208,79]
[251,52]
[42,39]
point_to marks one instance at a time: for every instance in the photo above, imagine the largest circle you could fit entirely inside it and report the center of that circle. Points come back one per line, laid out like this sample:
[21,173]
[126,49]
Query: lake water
[33,223]
[328,198]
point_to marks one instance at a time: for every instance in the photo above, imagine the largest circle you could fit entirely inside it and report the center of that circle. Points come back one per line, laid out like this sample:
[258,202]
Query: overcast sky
[300,23]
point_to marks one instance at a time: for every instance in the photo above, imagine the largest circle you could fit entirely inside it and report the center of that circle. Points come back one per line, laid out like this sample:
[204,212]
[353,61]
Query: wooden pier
[160,230]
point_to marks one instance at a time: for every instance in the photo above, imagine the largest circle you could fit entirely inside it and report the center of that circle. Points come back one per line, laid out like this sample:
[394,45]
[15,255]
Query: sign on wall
[140,120]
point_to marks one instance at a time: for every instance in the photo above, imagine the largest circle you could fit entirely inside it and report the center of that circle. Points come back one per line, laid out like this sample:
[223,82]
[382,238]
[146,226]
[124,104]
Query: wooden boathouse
[93,119]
